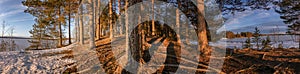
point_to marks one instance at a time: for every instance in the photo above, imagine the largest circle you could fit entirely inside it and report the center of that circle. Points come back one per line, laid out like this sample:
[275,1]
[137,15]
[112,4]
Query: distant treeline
[230,34]
[8,37]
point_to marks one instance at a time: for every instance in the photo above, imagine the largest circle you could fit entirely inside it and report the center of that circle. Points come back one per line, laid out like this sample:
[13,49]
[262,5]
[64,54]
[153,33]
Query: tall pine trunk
[96,19]
[81,26]
[60,30]
[126,26]
[153,22]
[201,29]
[99,19]
[110,19]
[92,23]
[201,32]
[178,20]
[76,27]
[70,23]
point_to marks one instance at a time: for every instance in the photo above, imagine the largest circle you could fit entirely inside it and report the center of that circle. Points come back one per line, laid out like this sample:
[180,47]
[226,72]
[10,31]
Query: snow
[17,62]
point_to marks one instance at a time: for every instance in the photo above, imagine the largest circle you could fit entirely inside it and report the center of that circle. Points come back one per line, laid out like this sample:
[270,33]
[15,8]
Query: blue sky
[253,18]
[12,12]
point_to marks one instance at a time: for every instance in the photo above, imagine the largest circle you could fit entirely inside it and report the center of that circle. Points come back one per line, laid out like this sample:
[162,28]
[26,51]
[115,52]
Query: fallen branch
[184,67]
[184,59]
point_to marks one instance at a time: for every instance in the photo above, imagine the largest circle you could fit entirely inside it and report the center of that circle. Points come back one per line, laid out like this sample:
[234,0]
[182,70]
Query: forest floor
[110,57]
[277,61]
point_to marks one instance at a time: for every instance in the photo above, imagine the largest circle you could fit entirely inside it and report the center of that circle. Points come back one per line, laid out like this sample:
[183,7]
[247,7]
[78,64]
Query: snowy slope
[37,62]
[51,61]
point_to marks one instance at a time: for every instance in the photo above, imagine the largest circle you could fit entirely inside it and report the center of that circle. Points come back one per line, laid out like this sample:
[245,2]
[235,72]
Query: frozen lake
[288,41]
[21,43]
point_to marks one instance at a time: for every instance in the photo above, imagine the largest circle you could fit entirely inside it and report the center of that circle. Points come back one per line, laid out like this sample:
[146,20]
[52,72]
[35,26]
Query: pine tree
[290,12]
[13,45]
[256,38]
[248,43]
[3,45]
[55,14]
[35,43]
[266,43]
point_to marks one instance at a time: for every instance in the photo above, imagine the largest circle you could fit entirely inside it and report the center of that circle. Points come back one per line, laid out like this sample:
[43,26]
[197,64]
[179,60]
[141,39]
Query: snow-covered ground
[51,61]
[23,62]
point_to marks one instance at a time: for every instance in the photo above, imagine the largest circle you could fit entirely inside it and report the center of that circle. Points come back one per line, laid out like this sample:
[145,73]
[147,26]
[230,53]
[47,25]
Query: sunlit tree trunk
[100,26]
[81,26]
[110,19]
[97,19]
[178,20]
[126,26]
[202,33]
[153,24]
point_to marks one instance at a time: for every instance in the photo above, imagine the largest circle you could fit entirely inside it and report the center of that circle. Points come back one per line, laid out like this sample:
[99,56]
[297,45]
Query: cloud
[22,20]
[249,18]
[10,13]
[236,19]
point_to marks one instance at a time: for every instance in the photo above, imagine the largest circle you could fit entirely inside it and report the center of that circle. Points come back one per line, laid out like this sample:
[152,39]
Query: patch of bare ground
[251,61]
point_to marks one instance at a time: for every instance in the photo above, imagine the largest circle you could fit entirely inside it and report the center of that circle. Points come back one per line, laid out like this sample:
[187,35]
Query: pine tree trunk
[187,32]
[110,20]
[202,34]
[60,36]
[178,21]
[126,26]
[100,26]
[96,20]
[153,22]
[60,31]
[70,42]
[81,26]
[76,28]
[92,23]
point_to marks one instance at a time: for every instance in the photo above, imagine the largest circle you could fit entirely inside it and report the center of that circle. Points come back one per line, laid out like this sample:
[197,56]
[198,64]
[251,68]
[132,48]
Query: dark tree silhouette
[290,13]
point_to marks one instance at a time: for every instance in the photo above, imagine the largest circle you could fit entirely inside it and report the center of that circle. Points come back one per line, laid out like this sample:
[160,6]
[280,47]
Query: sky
[12,12]
[263,19]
